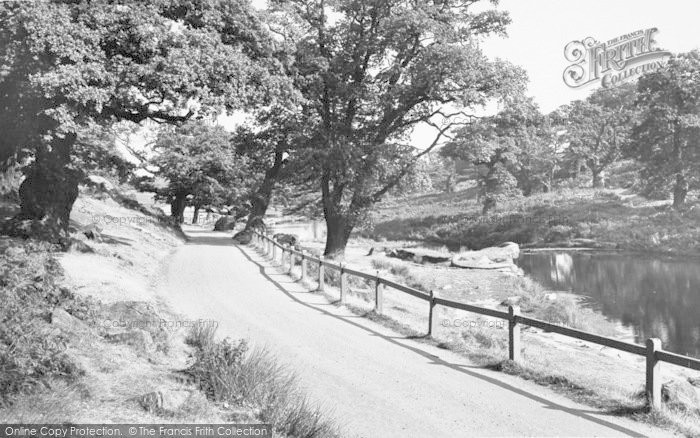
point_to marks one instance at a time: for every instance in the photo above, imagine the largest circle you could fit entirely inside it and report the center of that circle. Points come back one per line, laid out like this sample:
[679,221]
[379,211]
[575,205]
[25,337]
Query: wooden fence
[653,352]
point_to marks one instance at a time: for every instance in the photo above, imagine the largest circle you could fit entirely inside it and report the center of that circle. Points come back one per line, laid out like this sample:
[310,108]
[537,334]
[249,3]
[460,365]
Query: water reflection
[657,297]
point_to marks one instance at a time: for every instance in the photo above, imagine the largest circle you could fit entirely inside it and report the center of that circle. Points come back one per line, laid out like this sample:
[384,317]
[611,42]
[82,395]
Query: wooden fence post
[378,296]
[343,283]
[321,275]
[291,260]
[274,253]
[430,313]
[513,334]
[303,266]
[653,383]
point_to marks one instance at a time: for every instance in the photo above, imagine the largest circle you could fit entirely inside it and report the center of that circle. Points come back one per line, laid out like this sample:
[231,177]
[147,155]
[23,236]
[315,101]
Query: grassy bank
[610,380]
[85,336]
[564,218]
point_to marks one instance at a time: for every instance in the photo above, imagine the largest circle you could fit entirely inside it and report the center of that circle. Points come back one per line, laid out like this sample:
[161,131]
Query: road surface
[374,381]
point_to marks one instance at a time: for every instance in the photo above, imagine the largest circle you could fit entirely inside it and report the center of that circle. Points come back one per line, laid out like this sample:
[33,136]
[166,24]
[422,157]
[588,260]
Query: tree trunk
[195,215]
[489,204]
[450,183]
[177,207]
[680,191]
[598,179]
[261,199]
[339,230]
[47,193]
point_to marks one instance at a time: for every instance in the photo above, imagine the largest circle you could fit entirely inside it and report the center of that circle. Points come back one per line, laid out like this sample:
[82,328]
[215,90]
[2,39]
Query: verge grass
[229,373]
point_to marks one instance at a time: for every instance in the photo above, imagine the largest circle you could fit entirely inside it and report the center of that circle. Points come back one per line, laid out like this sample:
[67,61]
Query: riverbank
[601,377]
[567,218]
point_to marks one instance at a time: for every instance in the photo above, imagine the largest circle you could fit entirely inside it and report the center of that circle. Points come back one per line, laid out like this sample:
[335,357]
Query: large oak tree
[667,139]
[373,70]
[599,128]
[64,64]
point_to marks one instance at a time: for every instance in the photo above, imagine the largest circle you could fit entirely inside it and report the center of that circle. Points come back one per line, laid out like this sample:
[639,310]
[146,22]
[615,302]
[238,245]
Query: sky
[541,29]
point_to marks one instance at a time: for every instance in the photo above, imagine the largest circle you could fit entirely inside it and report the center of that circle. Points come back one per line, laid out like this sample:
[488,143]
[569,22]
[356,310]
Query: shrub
[10,180]
[228,372]
[201,336]
[30,352]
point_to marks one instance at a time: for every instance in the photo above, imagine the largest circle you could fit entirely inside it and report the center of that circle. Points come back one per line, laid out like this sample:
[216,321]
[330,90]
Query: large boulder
[68,323]
[225,223]
[136,323]
[139,339]
[420,255]
[286,239]
[164,400]
[495,257]
[680,394]
[243,237]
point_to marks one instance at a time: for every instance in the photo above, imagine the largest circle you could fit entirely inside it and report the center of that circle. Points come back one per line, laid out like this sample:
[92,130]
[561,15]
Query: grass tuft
[228,372]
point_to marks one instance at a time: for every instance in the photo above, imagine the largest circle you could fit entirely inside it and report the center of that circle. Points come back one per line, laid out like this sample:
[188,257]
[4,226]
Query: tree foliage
[514,151]
[371,71]
[201,168]
[65,64]
[667,139]
[598,129]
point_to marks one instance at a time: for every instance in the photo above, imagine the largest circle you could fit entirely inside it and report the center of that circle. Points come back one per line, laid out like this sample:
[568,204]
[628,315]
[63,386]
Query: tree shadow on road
[585,414]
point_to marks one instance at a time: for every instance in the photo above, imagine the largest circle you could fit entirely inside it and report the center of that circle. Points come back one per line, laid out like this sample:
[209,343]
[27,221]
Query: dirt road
[376,382]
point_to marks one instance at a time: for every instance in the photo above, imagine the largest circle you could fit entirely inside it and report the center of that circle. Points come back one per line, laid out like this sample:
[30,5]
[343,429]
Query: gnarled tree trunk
[47,193]
[260,201]
[195,215]
[339,229]
[177,207]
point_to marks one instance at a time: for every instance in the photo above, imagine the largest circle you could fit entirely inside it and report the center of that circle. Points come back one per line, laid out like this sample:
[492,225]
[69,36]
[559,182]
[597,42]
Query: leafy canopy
[200,162]
[66,63]
[371,71]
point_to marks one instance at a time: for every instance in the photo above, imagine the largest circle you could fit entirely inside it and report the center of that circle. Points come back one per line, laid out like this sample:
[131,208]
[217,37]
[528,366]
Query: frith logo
[612,62]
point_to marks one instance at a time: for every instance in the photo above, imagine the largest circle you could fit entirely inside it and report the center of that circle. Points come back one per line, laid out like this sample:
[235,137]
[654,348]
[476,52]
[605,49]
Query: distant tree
[541,157]
[667,139]
[65,64]
[201,168]
[599,128]
[371,71]
[501,147]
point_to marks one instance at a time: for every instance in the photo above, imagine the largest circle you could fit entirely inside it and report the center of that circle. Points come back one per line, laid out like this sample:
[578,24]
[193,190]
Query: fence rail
[652,351]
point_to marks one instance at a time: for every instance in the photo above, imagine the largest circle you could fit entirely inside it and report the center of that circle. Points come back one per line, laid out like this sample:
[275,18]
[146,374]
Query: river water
[656,296]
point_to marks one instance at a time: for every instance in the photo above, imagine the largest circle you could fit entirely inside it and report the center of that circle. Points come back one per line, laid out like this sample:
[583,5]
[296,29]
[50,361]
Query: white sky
[541,28]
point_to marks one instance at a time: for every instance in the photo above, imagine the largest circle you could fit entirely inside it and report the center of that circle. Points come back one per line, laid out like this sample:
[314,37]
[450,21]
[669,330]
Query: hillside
[608,219]
[86,336]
